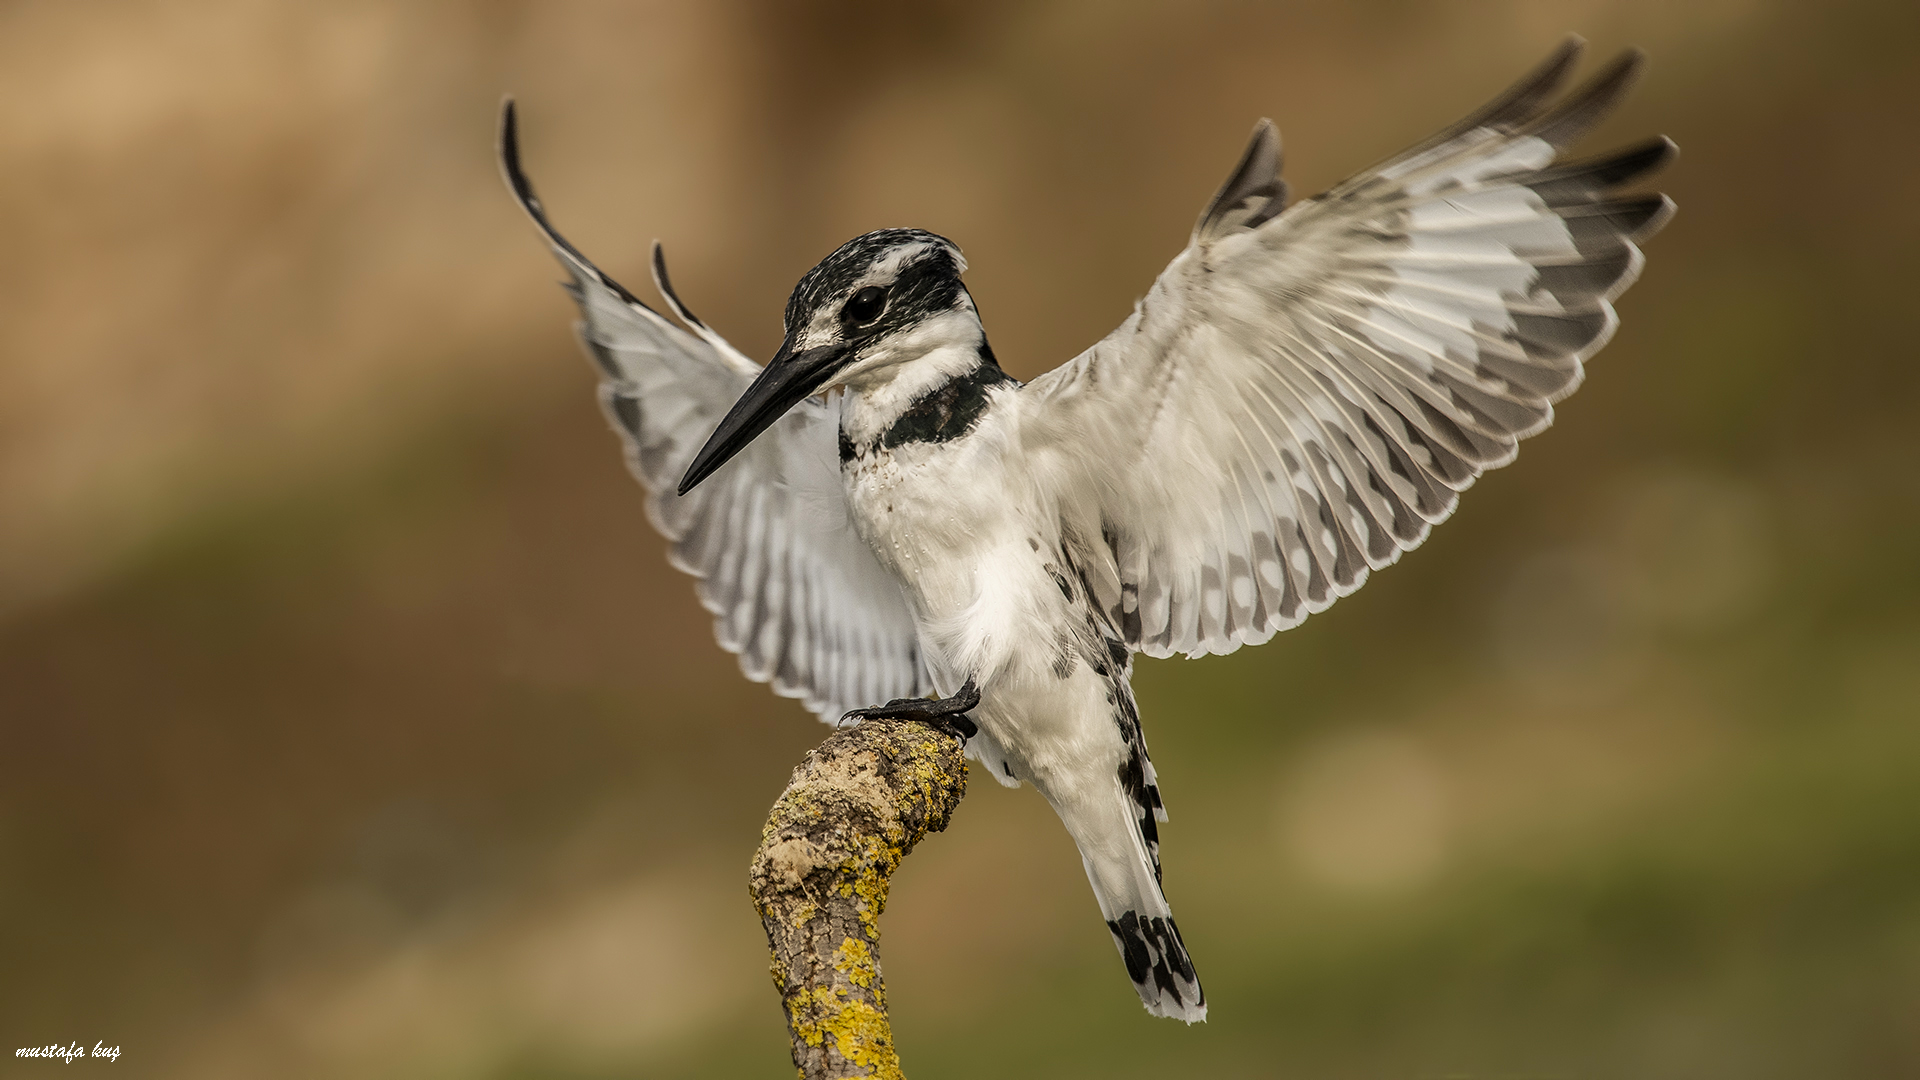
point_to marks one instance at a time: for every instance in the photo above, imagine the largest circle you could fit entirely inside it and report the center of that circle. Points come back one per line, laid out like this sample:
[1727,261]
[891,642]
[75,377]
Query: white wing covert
[1303,394]
[794,591]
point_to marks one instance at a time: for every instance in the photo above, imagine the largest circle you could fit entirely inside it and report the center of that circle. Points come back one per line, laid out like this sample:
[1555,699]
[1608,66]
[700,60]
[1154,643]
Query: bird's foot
[947,713]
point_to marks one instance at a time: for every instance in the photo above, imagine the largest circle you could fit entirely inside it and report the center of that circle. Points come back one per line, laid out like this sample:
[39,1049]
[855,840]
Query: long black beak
[788,379]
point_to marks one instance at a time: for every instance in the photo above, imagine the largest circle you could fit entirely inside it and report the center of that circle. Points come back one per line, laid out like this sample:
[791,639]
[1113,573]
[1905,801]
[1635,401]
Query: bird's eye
[865,306]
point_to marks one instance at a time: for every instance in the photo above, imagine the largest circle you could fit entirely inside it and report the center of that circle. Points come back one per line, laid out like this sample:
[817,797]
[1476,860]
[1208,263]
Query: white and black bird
[883,515]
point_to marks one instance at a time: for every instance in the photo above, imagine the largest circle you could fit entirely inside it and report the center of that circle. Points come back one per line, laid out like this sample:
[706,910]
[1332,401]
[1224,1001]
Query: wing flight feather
[1304,393]
[793,590]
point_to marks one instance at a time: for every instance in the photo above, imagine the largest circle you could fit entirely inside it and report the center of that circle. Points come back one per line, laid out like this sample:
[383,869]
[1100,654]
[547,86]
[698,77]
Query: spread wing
[1303,394]
[793,589]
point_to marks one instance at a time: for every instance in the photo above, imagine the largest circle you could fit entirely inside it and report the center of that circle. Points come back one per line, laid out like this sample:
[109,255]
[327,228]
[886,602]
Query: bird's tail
[1118,844]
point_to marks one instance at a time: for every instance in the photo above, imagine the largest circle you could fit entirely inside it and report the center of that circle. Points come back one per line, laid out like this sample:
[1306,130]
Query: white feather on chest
[953,524]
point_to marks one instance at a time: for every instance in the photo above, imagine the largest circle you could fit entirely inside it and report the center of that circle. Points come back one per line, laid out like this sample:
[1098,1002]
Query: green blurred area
[355,727]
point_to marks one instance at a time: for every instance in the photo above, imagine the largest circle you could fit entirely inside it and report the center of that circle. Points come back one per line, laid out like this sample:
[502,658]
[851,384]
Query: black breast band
[946,412]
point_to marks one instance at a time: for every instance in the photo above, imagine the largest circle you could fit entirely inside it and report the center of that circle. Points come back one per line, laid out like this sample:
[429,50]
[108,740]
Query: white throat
[884,384]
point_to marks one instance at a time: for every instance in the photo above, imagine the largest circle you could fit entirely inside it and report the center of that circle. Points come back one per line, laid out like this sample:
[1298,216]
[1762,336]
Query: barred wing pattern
[794,590]
[1302,395]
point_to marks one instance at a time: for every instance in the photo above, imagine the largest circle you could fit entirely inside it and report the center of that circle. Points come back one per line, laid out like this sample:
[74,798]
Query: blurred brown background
[354,725]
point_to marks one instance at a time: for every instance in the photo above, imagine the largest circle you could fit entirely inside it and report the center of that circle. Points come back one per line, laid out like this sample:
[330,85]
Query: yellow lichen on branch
[854,809]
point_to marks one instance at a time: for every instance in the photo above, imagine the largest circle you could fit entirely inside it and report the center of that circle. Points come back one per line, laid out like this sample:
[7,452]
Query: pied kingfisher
[882,513]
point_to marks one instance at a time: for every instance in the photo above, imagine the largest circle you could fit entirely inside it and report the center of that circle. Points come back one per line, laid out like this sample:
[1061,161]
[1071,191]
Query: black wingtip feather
[1637,161]
[1518,103]
[1254,179]
[522,188]
[665,284]
[1654,221]
[508,145]
[1529,94]
[1590,102]
[1585,180]
[1602,225]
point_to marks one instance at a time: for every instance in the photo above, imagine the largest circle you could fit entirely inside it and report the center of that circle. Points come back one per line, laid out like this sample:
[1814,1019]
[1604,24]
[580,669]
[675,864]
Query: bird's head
[865,314]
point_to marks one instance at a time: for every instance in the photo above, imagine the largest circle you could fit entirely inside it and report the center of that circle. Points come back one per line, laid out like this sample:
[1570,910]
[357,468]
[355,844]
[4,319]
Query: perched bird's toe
[959,726]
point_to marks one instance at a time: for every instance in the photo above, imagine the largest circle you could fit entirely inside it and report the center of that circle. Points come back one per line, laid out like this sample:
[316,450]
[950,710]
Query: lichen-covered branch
[853,810]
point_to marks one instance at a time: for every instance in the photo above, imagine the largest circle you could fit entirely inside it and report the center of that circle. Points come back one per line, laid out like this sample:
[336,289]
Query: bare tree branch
[854,809]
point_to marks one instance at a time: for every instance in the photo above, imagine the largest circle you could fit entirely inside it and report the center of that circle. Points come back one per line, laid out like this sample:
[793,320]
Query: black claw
[948,713]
